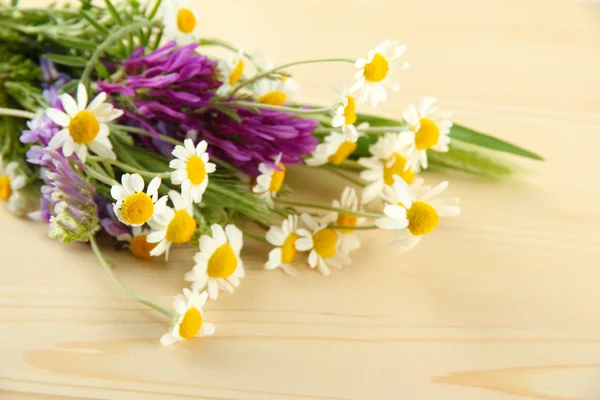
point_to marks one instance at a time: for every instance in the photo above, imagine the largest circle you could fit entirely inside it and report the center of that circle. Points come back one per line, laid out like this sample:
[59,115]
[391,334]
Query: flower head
[133,206]
[375,71]
[389,158]
[188,321]
[411,217]
[427,130]
[284,239]
[218,263]
[323,242]
[11,182]
[345,222]
[84,125]
[270,181]
[191,169]
[276,92]
[230,70]
[173,225]
[181,22]
[336,147]
[345,116]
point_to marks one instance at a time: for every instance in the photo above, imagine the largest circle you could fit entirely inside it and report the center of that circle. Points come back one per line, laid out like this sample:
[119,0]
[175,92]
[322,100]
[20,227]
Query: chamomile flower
[11,182]
[349,201]
[324,244]
[173,225]
[275,92]
[270,181]
[138,242]
[191,169]
[427,130]
[189,320]
[230,70]
[345,116]
[133,206]
[390,158]
[84,125]
[284,239]
[218,263]
[411,217]
[336,147]
[375,71]
[181,22]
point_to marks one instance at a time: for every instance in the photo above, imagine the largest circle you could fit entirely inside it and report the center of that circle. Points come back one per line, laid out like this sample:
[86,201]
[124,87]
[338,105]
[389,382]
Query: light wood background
[501,303]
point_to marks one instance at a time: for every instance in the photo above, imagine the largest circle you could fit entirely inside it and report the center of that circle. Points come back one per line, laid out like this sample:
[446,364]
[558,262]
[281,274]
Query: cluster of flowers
[181,105]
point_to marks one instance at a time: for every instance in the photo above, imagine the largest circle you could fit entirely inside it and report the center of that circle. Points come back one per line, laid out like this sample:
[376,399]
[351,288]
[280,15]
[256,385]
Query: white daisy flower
[335,148]
[181,22]
[275,92]
[191,169]
[413,217]
[284,239]
[375,71]
[133,206]
[189,320]
[324,244]
[344,116]
[84,125]
[270,181]
[230,70]
[11,182]
[389,158]
[138,242]
[218,263]
[349,201]
[173,225]
[427,130]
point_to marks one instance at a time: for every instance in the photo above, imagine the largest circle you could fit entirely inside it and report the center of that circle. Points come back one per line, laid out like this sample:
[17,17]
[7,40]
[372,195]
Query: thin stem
[328,208]
[98,176]
[126,167]
[254,236]
[374,129]
[225,45]
[17,113]
[294,110]
[143,132]
[339,173]
[355,228]
[110,39]
[154,9]
[128,292]
[352,164]
[267,73]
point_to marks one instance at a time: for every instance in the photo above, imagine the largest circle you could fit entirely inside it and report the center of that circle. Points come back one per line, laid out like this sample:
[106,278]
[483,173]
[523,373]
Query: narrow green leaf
[76,43]
[113,11]
[467,135]
[68,87]
[69,61]
[102,71]
[462,159]
[376,121]
[93,22]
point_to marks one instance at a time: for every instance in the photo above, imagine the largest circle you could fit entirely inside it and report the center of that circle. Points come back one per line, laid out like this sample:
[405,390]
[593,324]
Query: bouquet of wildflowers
[114,122]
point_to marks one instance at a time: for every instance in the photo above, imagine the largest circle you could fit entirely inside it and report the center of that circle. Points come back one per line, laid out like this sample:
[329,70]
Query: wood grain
[501,303]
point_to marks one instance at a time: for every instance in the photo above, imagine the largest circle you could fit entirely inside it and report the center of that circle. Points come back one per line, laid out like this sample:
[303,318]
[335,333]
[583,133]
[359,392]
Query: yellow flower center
[181,228]
[5,189]
[288,250]
[276,98]
[222,263]
[377,69]
[236,73]
[84,127]
[137,209]
[422,218]
[350,110]
[140,247]
[277,179]
[343,152]
[348,220]
[428,135]
[397,168]
[324,242]
[196,170]
[186,21]
[191,323]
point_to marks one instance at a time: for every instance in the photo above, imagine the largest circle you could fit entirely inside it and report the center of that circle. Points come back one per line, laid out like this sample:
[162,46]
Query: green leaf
[68,87]
[69,61]
[76,43]
[113,11]
[102,71]
[463,159]
[93,22]
[467,135]
[377,121]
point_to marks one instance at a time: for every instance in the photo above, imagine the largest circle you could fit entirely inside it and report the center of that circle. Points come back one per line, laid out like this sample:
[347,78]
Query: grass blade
[69,61]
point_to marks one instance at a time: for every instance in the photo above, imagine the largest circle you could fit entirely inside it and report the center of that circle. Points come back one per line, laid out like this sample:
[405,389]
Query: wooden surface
[501,303]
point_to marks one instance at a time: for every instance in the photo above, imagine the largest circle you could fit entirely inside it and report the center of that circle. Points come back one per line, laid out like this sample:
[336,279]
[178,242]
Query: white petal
[81,150]
[102,150]
[208,329]
[218,234]
[156,237]
[18,182]
[69,105]
[99,99]
[235,237]
[153,186]
[391,223]
[136,182]
[213,289]
[82,97]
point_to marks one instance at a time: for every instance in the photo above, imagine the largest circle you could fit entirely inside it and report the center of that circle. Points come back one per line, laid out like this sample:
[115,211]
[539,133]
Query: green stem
[293,110]
[355,228]
[17,113]
[267,73]
[225,45]
[126,167]
[254,236]
[128,292]
[110,39]
[339,173]
[100,177]
[375,130]
[143,132]
[154,9]
[352,164]
[328,208]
